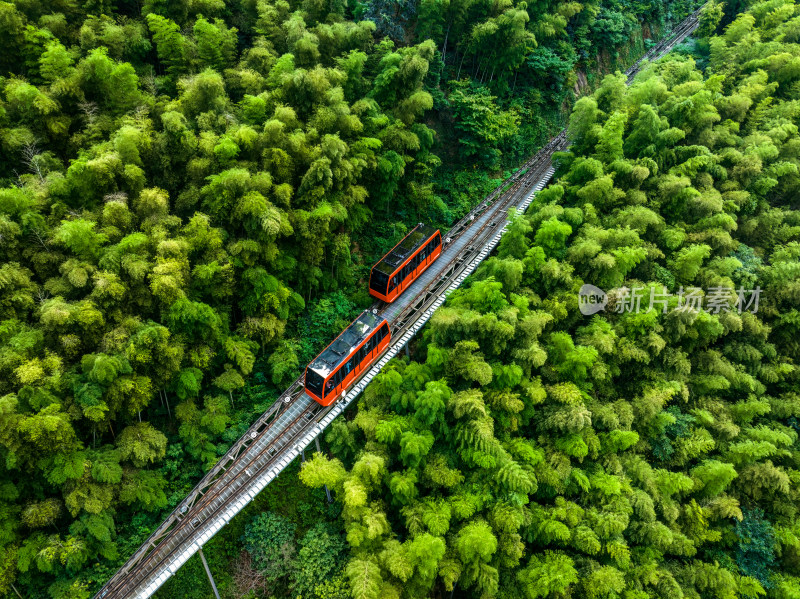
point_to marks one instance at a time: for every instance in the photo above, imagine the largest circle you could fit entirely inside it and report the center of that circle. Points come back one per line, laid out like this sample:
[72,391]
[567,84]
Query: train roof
[338,351]
[411,242]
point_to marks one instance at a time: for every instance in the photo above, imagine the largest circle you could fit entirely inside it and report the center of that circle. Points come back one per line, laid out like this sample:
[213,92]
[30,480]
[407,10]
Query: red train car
[352,352]
[407,260]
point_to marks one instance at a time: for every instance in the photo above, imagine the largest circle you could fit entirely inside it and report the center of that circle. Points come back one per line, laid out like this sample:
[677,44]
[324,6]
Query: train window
[347,368]
[384,330]
[329,386]
[437,241]
[314,382]
[393,282]
[379,281]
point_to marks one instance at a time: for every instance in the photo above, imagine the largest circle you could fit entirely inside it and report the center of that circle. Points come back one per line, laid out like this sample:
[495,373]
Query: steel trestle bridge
[294,421]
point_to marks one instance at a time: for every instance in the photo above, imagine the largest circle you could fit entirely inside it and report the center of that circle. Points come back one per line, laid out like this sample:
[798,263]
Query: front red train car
[352,352]
[407,260]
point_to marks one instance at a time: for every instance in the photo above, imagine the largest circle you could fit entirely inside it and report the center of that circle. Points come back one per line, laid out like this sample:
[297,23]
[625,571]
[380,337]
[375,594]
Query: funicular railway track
[281,433]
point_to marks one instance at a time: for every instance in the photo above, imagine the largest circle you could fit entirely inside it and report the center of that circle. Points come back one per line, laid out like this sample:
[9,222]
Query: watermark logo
[714,300]
[591,299]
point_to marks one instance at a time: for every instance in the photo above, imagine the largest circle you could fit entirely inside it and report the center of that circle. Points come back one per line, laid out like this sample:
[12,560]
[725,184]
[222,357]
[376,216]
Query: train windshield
[314,382]
[378,281]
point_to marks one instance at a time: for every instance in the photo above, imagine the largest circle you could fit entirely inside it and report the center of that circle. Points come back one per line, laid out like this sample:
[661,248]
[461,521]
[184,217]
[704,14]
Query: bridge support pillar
[408,354]
[327,490]
[208,573]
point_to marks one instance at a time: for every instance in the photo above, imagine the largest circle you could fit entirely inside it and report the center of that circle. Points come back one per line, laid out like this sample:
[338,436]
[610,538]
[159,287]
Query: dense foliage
[190,194]
[533,451]
[270,541]
[515,62]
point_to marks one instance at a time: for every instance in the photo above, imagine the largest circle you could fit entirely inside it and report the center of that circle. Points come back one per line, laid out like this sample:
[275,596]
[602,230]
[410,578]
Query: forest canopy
[529,450]
[191,194]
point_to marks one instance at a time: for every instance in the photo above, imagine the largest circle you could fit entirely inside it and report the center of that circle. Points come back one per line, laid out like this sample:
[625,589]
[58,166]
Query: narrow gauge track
[285,428]
[237,469]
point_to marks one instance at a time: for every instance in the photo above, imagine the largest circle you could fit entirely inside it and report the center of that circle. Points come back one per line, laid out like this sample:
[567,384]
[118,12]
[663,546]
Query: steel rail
[197,504]
[184,518]
[534,174]
[204,500]
[227,460]
[192,520]
[248,464]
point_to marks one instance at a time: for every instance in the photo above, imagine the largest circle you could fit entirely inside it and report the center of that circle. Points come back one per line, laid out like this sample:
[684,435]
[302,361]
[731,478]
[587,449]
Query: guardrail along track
[294,420]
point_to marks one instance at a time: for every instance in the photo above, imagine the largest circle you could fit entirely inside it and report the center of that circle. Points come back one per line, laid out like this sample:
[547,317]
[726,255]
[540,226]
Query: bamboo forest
[193,198]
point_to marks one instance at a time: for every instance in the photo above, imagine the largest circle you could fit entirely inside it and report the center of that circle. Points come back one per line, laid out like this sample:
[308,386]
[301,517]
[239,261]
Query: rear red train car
[352,352]
[407,260]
